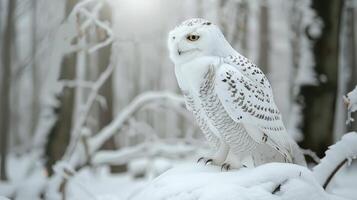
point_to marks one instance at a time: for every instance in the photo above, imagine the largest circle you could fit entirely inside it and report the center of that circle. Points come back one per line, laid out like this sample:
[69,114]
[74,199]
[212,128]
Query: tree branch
[338,167]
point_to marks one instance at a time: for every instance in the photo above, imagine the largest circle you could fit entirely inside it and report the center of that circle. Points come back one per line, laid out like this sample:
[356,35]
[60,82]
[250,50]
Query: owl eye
[193,37]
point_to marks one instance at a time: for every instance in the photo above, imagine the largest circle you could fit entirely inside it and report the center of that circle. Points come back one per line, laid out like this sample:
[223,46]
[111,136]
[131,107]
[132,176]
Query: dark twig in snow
[336,156]
[338,167]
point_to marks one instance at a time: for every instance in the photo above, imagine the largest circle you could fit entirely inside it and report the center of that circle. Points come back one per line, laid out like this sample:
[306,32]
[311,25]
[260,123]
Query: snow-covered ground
[27,178]
[190,180]
[273,181]
[156,177]
[101,185]
[193,181]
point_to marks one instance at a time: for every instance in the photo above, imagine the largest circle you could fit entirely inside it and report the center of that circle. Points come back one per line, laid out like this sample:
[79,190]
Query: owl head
[195,38]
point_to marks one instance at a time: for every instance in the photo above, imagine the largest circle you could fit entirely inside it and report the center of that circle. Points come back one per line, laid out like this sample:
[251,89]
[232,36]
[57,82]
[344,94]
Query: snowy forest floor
[270,181]
[184,180]
[192,181]
[195,181]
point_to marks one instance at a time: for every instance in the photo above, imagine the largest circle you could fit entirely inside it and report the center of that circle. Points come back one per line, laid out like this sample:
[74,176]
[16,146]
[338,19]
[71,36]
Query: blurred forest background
[89,83]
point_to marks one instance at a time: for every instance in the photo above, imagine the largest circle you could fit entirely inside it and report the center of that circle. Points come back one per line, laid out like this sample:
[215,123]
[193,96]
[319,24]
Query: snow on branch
[147,149]
[87,108]
[82,16]
[351,102]
[100,24]
[89,9]
[336,156]
[76,83]
[87,85]
[145,98]
[343,151]
[76,152]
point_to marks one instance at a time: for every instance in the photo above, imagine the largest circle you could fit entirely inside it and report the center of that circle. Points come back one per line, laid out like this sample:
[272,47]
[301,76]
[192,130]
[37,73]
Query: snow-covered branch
[76,83]
[83,112]
[148,149]
[350,101]
[82,9]
[145,98]
[102,25]
[343,151]
[336,156]
[87,108]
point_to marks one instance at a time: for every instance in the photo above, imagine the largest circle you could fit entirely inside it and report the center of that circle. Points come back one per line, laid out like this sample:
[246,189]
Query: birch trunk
[5,86]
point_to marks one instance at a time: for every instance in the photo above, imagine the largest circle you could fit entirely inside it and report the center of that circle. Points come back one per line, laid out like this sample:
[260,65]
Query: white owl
[230,98]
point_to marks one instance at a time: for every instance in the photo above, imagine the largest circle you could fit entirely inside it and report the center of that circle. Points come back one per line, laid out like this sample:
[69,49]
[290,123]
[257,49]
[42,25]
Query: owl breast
[214,116]
[234,134]
[190,74]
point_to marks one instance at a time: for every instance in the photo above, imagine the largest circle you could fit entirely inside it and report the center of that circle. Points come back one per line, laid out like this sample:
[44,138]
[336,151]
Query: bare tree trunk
[244,39]
[353,53]
[106,114]
[5,86]
[347,73]
[238,38]
[60,134]
[320,100]
[35,92]
[222,22]
[264,38]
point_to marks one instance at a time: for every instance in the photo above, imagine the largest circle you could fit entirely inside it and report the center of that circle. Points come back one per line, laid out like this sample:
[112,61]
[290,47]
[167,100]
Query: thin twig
[338,167]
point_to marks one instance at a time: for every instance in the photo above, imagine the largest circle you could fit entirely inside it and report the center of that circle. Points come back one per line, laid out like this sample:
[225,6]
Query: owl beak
[180,52]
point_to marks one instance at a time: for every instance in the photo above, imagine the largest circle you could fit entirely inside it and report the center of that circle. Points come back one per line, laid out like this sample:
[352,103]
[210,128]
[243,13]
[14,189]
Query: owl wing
[250,70]
[247,97]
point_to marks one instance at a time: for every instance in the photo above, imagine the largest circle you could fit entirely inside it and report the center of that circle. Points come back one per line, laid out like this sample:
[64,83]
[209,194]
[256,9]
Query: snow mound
[273,181]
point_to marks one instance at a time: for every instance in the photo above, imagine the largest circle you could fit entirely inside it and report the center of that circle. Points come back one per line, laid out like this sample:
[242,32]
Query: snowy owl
[230,97]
